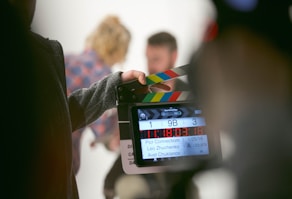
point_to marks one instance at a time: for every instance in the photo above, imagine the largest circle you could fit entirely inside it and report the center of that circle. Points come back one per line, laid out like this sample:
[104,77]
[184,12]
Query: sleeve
[87,104]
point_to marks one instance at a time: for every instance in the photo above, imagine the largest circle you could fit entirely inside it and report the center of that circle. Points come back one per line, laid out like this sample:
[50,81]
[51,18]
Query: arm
[87,104]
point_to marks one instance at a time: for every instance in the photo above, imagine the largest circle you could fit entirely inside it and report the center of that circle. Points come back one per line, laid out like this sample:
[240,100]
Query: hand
[133,74]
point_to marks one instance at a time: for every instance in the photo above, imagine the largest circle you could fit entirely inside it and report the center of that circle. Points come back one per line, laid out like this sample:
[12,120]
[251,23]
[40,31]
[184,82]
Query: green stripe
[148,97]
[149,81]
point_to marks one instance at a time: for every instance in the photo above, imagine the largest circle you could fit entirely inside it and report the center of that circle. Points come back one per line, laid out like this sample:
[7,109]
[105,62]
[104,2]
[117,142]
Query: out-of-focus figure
[161,54]
[243,80]
[106,45]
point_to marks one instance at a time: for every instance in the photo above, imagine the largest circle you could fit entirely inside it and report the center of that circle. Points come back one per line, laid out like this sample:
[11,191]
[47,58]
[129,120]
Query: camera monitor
[171,133]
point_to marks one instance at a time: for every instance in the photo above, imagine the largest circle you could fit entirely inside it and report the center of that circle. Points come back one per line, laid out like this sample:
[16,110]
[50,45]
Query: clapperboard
[164,130]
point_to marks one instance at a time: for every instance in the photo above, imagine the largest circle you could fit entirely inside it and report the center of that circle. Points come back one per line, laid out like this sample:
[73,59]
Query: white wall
[70,21]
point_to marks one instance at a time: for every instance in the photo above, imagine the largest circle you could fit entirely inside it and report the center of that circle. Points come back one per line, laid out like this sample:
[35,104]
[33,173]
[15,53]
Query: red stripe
[174,96]
[171,73]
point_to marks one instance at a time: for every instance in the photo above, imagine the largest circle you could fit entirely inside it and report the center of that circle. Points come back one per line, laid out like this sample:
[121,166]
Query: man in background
[161,55]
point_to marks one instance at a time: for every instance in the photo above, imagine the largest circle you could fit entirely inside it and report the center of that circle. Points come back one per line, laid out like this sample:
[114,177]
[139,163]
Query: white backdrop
[70,21]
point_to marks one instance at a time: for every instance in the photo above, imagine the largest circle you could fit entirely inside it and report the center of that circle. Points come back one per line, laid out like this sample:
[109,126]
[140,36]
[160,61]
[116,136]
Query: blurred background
[70,22]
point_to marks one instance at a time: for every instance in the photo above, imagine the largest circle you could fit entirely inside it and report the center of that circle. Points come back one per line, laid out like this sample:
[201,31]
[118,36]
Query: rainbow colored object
[164,76]
[166,97]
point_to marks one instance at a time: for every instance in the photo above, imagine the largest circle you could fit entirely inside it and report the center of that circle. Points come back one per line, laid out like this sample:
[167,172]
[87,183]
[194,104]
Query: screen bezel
[213,138]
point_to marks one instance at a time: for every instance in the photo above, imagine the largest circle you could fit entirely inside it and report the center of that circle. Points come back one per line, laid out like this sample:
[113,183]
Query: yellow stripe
[157,97]
[155,78]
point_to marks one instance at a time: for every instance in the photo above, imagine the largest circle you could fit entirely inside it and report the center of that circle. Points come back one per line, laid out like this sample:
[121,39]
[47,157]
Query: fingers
[132,75]
[142,79]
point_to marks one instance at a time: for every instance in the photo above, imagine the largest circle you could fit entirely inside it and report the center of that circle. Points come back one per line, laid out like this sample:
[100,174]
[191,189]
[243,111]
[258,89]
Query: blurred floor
[95,163]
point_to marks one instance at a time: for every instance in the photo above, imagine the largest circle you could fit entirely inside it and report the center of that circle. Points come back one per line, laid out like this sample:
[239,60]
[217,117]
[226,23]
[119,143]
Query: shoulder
[44,42]
[46,46]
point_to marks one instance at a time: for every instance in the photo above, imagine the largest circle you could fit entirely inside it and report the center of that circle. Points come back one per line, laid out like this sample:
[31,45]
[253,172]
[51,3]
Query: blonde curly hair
[110,40]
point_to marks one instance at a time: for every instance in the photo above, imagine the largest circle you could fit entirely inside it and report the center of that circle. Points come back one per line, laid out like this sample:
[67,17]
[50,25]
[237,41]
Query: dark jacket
[37,116]
[57,116]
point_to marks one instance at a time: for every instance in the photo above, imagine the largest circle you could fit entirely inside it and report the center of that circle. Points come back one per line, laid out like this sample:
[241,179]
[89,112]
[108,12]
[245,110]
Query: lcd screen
[165,133]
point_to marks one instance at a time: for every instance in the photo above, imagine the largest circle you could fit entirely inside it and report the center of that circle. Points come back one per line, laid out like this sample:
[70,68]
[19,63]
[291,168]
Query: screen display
[169,132]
